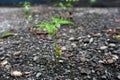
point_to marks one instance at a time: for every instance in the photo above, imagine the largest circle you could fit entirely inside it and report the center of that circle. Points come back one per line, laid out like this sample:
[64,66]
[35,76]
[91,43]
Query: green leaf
[65,22]
[51,28]
[61,21]
[48,26]
[42,25]
[92,1]
[7,35]
[54,25]
[62,5]
[57,25]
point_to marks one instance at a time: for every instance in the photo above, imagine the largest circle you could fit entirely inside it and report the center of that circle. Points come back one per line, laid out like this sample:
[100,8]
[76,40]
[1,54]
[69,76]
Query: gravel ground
[90,50]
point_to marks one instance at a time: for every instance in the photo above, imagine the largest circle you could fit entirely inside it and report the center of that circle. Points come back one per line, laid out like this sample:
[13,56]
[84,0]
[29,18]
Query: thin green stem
[54,39]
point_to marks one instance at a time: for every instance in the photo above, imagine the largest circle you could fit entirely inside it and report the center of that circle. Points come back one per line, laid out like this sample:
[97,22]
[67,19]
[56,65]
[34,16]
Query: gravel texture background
[90,52]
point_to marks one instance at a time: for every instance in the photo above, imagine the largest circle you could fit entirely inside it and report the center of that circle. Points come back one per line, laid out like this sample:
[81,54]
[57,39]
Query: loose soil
[90,49]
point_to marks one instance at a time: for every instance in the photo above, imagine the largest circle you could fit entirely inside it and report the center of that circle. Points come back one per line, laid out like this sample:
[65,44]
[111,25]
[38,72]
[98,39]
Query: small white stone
[103,47]
[115,57]
[63,48]
[1,43]
[71,30]
[73,45]
[16,73]
[38,74]
[91,40]
[100,61]
[64,34]
[71,38]
[35,58]
[16,53]
[88,36]
[97,34]
[4,62]
[61,61]
[118,76]
[112,45]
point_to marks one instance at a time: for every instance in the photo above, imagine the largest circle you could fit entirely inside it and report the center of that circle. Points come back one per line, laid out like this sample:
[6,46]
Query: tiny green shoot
[66,3]
[27,10]
[52,27]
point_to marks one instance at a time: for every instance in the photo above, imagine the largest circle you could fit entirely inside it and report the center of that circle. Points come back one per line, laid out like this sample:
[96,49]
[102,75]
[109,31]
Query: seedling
[27,10]
[52,27]
[69,3]
[66,4]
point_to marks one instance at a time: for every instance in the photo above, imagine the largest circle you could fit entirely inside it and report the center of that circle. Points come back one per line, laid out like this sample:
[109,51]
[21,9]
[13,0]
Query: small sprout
[58,51]
[66,4]
[27,10]
[7,35]
[48,26]
[51,28]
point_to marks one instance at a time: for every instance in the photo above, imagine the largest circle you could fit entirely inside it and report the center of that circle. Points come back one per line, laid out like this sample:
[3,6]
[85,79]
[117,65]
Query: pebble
[61,61]
[103,77]
[115,57]
[110,61]
[35,58]
[118,76]
[59,40]
[68,55]
[71,31]
[73,45]
[16,73]
[17,53]
[27,74]
[8,67]
[38,74]
[94,78]
[86,40]
[2,58]
[91,40]
[85,71]
[101,61]
[67,71]
[83,59]
[71,39]
[16,42]
[97,35]
[2,53]
[103,47]
[64,34]
[112,45]
[1,43]
[4,62]
[64,48]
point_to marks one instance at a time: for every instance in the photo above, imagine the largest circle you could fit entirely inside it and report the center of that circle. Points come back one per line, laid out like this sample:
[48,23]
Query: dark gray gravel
[89,53]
